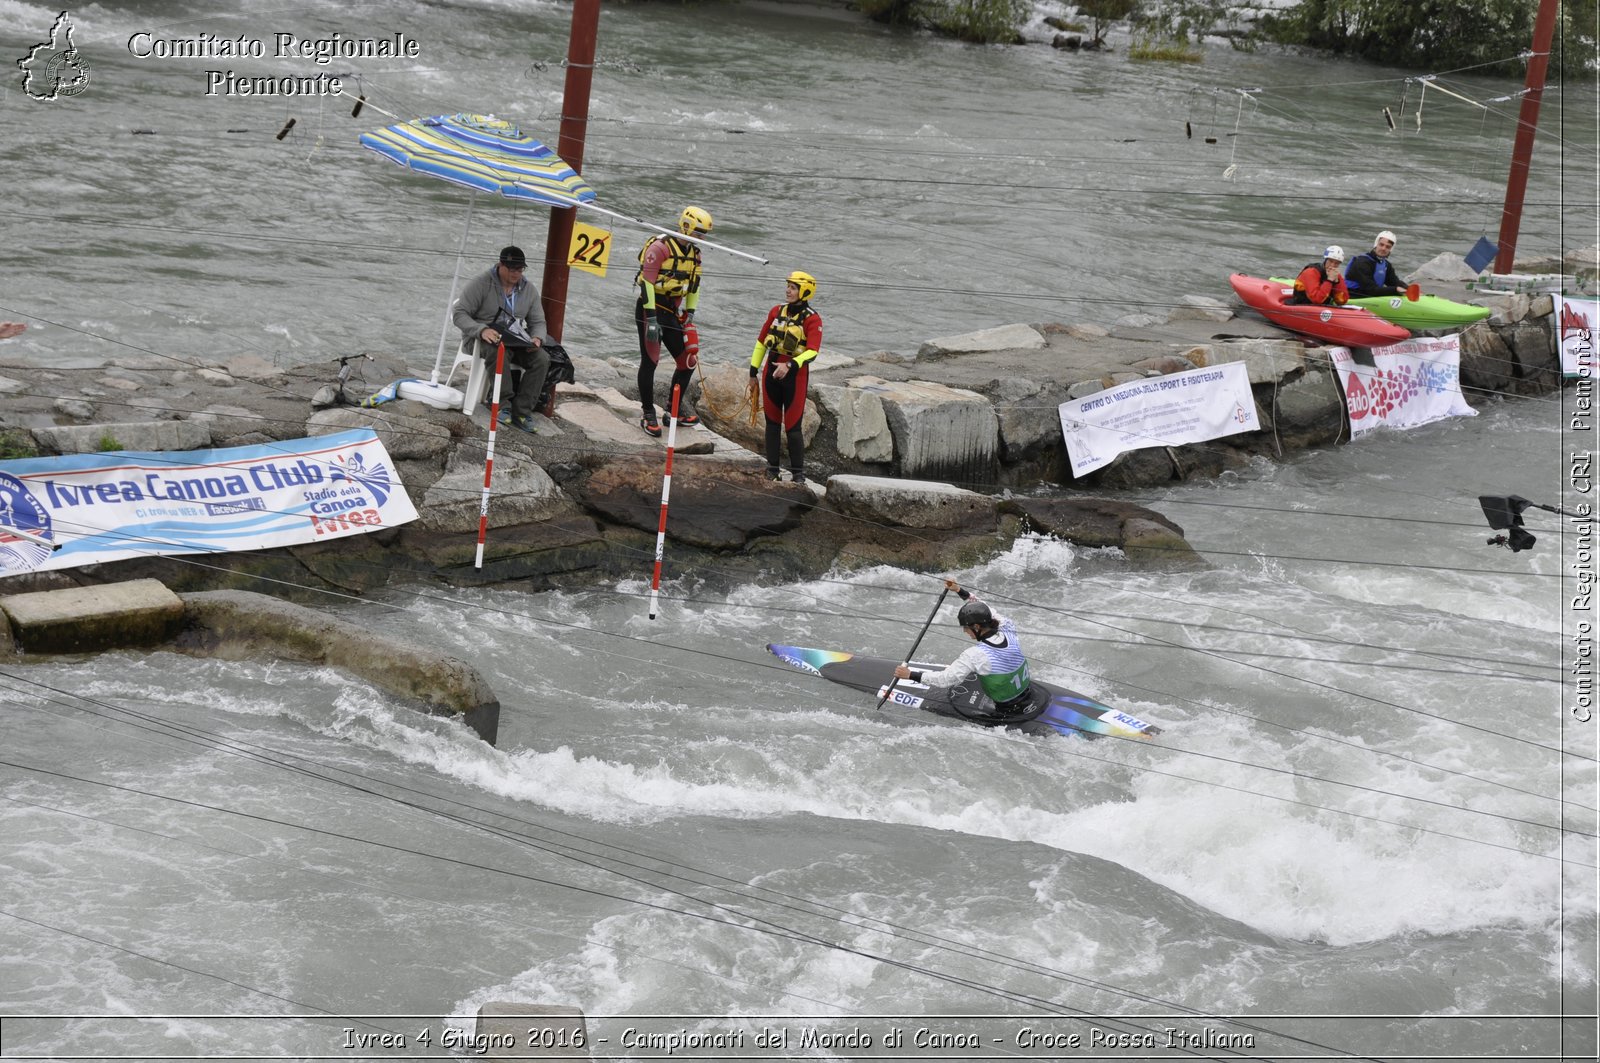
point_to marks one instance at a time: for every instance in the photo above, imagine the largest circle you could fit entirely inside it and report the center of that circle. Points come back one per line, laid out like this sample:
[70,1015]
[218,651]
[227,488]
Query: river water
[1348,841]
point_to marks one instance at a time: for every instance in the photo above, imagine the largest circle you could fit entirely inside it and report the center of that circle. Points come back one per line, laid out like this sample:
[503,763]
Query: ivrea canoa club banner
[83,509]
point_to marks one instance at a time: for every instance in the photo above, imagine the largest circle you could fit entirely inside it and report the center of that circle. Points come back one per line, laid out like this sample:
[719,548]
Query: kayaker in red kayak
[1372,274]
[1322,283]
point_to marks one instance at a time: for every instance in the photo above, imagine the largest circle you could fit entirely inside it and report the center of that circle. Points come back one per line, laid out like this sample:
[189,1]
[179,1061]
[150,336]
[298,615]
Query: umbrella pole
[449,306]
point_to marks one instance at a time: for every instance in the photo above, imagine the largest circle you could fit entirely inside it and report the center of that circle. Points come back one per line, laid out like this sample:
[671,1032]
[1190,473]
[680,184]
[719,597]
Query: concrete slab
[912,503]
[126,435]
[91,619]
[612,417]
[1000,338]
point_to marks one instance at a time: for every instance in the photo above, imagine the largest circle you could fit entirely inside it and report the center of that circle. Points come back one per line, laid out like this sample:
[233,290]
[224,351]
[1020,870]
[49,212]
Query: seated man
[1371,273]
[1322,283]
[997,660]
[503,304]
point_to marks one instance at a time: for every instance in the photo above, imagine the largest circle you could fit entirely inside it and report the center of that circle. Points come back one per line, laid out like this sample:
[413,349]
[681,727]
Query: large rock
[724,408]
[1199,308]
[1580,260]
[861,426]
[251,367]
[911,503]
[520,492]
[1306,412]
[1002,338]
[940,433]
[1533,345]
[239,625]
[89,619]
[128,435]
[594,373]
[1512,307]
[1030,428]
[1487,364]
[539,552]
[714,505]
[1267,361]
[404,437]
[1143,534]
[1445,266]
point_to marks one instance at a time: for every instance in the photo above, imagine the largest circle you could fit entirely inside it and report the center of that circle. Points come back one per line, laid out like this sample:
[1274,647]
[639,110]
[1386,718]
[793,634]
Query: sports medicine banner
[82,509]
[1163,411]
[1575,324]
[1414,382]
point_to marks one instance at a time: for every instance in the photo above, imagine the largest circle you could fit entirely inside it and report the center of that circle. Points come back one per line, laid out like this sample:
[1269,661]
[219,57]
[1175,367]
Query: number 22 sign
[590,249]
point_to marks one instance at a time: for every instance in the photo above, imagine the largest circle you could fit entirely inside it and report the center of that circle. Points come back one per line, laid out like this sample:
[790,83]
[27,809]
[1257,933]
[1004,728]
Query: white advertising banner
[1575,323]
[1163,411]
[82,509]
[1413,383]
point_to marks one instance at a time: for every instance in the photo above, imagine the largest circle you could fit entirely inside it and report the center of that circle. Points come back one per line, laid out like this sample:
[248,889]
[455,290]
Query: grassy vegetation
[15,444]
[1164,50]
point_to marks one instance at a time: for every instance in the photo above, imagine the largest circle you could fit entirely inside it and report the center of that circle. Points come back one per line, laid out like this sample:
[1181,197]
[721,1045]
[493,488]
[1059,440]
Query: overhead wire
[577,627]
[857,921]
[1179,646]
[1299,559]
[898,930]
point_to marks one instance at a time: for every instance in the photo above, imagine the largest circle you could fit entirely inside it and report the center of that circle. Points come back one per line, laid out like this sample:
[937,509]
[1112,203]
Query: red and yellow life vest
[680,270]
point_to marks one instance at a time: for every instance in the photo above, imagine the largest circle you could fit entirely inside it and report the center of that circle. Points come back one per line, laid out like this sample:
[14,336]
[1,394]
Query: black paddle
[914,646]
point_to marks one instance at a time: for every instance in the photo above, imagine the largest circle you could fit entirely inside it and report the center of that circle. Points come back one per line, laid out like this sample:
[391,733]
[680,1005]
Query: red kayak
[1344,325]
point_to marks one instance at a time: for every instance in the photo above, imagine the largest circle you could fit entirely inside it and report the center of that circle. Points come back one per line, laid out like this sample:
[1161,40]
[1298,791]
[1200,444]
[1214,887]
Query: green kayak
[1427,312]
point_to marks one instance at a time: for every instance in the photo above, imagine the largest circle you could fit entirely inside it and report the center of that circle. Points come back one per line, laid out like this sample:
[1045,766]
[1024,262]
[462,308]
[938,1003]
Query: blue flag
[1482,253]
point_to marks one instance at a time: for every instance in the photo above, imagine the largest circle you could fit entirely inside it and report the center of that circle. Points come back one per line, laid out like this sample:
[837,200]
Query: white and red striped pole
[488,458]
[666,492]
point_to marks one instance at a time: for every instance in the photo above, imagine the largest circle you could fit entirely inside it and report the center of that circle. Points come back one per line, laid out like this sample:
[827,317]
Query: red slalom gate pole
[488,458]
[666,492]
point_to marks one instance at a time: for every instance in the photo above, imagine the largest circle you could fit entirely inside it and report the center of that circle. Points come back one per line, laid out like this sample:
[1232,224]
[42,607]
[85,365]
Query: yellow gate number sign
[590,249]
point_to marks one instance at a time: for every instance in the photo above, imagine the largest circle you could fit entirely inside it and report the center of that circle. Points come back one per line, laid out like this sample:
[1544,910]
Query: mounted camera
[1505,512]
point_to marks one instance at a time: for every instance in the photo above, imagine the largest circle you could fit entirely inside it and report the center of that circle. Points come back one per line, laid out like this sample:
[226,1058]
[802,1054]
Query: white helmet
[1385,235]
[1335,252]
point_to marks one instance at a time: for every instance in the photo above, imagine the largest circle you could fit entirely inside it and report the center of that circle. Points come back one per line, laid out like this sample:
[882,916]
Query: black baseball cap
[513,257]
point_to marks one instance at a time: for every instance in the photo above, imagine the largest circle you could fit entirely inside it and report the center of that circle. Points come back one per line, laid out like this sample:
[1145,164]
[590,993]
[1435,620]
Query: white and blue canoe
[1056,710]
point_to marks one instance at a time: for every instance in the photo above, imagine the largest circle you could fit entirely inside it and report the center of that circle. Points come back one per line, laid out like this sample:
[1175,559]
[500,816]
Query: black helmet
[974,614]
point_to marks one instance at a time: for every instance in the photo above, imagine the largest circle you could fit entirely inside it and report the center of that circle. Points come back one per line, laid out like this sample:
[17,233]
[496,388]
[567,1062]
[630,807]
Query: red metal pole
[1544,27]
[574,124]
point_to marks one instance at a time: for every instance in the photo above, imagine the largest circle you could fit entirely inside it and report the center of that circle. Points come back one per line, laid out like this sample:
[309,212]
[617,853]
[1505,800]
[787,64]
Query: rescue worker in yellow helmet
[669,291]
[779,366]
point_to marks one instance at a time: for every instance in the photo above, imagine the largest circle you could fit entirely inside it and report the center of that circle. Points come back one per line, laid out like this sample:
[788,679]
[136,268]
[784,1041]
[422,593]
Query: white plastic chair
[470,353]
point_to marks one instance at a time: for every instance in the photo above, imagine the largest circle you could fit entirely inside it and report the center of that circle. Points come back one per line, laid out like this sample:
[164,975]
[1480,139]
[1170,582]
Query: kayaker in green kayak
[1372,274]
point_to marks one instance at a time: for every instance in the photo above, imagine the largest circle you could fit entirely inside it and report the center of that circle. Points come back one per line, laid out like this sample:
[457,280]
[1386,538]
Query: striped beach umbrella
[484,153]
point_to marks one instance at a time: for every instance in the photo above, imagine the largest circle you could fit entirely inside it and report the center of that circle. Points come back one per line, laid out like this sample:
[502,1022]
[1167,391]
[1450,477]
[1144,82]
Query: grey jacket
[483,297]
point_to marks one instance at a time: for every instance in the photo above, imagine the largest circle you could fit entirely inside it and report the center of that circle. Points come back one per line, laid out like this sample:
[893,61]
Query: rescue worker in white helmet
[779,366]
[997,660]
[669,291]
[1322,283]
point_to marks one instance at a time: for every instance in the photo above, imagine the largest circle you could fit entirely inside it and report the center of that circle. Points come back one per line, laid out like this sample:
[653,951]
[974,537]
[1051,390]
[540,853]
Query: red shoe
[650,426]
[688,419]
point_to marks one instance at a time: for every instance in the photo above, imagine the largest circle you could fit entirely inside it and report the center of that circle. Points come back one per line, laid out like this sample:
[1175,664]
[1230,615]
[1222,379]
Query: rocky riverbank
[915,460]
